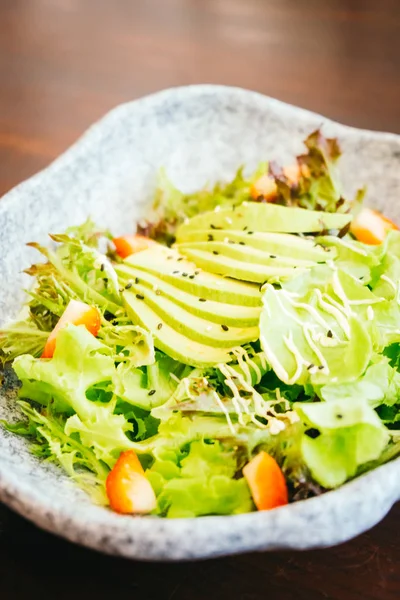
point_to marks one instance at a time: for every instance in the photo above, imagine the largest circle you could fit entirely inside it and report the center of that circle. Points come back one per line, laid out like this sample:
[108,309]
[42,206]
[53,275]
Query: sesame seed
[196,272]
[159,326]
[225,327]
[175,272]
[321,367]
[313,433]
[128,285]
[329,334]
[139,296]
[245,228]
[272,256]
[339,416]
[250,232]
[210,237]
[136,280]
[184,274]
[151,392]
[179,259]
[202,300]
[102,267]
[242,243]
[215,252]
[191,276]
[310,366]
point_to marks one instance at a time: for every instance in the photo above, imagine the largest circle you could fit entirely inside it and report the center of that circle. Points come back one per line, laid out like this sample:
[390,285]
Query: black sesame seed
[245,228]
[151,392]
[175,272]
[159,326]
[312,433]
[128,285]
[179,259]
[272,256]
[310,366]
[102,267]
[191,276]
[139,296]
[339,416]
[250,232]
[184,274]
[196,272]
[225,327]
[321,367]
[329,334]
[202,299]
[121,290]
[215,252]
[210,237]
[212,226]
[136,280]
[242,243]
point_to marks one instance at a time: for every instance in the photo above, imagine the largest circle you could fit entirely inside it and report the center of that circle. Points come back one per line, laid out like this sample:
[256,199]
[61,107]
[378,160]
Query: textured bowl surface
[199,134]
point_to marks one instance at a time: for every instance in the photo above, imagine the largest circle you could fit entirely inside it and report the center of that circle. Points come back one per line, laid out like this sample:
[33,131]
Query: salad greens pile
[314,379]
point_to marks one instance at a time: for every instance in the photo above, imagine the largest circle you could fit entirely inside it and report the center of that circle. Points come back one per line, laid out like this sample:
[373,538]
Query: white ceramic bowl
[199,134]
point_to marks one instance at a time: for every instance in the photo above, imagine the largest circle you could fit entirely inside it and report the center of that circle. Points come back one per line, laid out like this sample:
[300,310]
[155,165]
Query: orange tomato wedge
[265,185]
[266,482]
[130,244]
[77,313]
[371,227]
[128,490]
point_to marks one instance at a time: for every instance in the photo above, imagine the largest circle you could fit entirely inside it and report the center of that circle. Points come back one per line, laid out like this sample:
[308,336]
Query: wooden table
[63,64]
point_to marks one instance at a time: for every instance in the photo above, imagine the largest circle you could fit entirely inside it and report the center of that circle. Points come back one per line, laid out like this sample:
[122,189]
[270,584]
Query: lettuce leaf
[79,382]
[380,384]
[318,186]
[200,483]
[311,335]
[171,206]
[340,436]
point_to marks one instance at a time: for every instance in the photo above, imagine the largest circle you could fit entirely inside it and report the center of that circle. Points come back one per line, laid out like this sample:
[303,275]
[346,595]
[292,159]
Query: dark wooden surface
[63,63]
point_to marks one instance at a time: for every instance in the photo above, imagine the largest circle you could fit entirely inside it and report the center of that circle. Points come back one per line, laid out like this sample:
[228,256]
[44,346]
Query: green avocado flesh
[216,312]
[168,265]
[266,218]
[195,317]
[194,327]
[224,265]
[242,253]
[169,340]
[280,244]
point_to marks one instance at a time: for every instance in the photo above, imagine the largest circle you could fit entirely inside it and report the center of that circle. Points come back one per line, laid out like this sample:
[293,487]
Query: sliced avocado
[171,267]
[280,244]
[246,254]
[173,343]
[192,326]
[240,269]
[216,312]
[266,217]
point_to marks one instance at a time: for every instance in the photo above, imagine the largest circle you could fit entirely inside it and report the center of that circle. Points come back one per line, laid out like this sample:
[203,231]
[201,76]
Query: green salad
[239,352]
